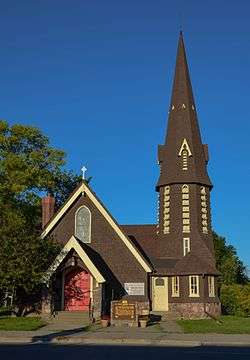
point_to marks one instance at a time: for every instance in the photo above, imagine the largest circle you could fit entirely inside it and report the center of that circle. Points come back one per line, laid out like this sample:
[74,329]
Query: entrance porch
[74,283]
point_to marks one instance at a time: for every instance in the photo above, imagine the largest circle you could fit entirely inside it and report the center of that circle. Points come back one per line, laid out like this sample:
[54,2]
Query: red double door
[77,290]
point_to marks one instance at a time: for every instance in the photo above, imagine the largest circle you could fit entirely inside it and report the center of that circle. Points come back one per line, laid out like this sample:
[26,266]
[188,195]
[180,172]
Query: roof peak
[183,155]
[182,92]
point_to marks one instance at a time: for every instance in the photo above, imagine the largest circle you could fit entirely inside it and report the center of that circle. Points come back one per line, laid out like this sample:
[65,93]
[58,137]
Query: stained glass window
[83,224]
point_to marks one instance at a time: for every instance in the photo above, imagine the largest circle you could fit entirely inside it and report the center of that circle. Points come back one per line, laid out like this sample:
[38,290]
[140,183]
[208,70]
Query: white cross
[83,169]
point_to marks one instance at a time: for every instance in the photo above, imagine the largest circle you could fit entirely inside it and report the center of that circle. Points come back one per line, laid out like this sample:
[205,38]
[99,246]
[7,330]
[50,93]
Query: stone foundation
[195,310]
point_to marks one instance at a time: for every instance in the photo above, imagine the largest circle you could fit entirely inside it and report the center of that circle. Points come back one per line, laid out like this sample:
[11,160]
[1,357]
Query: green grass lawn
[20,324]
[228,325]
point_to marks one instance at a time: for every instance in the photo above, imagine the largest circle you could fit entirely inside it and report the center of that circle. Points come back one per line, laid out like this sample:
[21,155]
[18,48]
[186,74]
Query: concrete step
[70,318]
[65,312]
[72,314]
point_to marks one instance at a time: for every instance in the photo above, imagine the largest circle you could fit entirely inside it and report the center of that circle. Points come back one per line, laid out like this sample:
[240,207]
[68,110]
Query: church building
[168,266]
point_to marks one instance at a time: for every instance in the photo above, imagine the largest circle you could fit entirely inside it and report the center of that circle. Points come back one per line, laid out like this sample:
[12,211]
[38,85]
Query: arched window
[83,224]
[185,189]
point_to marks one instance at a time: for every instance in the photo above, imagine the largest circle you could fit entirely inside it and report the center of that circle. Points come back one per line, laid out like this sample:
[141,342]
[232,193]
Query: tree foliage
[29,166]
[24,257]
[234,285]
[228,263]
[235,299]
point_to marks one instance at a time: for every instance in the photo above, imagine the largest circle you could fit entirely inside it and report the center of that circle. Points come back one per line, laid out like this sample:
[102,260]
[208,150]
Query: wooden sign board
[124,310]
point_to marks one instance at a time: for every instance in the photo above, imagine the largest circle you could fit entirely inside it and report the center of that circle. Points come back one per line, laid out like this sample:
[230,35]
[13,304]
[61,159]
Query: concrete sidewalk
[123,336]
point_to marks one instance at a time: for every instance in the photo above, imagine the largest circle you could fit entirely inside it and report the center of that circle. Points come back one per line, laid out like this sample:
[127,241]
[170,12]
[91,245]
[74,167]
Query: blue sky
[96,77]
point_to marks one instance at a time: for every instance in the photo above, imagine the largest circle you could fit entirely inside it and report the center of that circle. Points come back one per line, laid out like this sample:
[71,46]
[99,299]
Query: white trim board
[74,244]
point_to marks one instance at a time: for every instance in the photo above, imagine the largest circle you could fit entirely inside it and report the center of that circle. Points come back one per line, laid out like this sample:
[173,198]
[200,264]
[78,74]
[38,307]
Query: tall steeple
[183,157]
[184,224]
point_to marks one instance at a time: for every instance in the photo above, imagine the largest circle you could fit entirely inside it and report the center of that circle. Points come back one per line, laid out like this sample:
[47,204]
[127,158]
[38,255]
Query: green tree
[234,285]
[235,299]
[24,257]
[29,167]
[228,263]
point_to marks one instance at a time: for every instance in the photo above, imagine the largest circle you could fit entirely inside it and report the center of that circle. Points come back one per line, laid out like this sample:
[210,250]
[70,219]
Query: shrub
[235,299]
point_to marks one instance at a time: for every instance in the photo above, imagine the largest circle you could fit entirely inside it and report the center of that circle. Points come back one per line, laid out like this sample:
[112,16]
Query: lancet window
[83,224]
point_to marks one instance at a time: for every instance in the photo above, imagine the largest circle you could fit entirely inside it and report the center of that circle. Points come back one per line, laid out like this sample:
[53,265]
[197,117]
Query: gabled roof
[84,188]
[144,235]
[74,244]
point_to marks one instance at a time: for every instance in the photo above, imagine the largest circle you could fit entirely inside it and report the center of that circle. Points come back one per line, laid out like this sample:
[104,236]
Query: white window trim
[211,287]
[175,293]
[90,222]
[184,247]
[198,286]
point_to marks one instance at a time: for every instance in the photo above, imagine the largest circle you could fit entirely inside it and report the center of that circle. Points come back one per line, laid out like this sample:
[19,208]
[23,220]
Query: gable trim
[85,189]
[74,244]
[60,213]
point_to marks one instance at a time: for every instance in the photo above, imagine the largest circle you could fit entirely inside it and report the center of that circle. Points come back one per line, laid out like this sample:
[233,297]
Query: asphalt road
[58,352]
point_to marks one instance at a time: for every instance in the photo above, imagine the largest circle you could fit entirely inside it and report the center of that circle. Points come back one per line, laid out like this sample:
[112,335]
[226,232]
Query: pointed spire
[183,157]
[182,94]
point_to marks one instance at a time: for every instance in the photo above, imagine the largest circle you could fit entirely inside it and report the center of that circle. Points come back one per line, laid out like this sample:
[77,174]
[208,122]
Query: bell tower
[184,186]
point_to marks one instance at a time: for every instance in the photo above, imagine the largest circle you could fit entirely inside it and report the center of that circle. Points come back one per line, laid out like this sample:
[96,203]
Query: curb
[63,340]
[228,344]
[122,341]
[9,340]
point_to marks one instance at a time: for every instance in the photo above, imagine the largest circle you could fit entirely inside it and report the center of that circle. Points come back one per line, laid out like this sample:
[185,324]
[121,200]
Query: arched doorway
[77,290]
